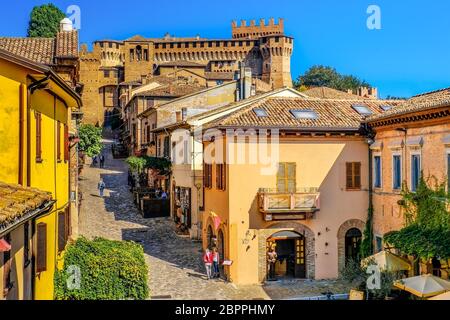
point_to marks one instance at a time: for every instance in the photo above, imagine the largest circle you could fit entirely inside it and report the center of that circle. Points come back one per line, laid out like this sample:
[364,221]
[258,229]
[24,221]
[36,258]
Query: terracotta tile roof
[67,44]
[16,201]
[181,63]
[219,75]
[330,93]
[43,50]
[425,101]
[332,114]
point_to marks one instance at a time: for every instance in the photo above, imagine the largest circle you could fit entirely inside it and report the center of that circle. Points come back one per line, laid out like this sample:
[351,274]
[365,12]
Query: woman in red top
[208,260]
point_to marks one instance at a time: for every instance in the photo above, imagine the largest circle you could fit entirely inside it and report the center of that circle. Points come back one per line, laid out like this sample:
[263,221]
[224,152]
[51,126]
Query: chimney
[245,81]
[65,25]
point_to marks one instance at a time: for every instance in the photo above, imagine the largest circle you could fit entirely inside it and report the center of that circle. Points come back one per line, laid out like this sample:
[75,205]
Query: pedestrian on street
[101,186]
[94,161]
[102,161]
[216,261]
[272,259]
[163,195]
[208,260]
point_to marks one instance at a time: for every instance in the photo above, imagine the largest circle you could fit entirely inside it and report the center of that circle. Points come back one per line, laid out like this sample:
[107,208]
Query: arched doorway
[353,239]
[210,237]
[291,254]
[221,249]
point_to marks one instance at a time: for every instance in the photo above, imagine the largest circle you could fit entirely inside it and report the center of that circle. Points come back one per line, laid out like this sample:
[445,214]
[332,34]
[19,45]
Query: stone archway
[299,228]
[347,225]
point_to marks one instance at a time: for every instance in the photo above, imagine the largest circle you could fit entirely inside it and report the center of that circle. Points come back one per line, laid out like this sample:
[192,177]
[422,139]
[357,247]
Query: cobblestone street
[175,267]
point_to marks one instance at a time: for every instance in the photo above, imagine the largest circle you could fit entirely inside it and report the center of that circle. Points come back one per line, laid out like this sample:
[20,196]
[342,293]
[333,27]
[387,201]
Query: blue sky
[409,55]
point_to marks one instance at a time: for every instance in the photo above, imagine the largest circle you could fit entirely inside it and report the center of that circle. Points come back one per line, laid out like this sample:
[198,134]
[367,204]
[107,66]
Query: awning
[414,142]
[396,144]
[377,145]
[4,245]
[446,140]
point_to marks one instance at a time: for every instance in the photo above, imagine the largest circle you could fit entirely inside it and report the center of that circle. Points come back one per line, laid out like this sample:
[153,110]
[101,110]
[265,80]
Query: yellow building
[290,173]
[34,138]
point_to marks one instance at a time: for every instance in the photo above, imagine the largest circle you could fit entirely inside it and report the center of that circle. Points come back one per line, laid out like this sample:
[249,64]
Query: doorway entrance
[353,239]
[291,257]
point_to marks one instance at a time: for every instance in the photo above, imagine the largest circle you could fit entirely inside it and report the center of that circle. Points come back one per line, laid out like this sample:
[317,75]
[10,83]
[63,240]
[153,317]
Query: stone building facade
[264,48]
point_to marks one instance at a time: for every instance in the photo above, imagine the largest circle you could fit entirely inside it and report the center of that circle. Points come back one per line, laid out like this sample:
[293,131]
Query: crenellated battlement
[253,30]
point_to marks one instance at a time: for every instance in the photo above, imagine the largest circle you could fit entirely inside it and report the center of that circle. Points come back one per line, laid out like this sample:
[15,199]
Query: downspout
[22,88]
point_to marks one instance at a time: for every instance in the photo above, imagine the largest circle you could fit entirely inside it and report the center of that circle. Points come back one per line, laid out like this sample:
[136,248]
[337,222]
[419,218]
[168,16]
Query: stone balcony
[298,205]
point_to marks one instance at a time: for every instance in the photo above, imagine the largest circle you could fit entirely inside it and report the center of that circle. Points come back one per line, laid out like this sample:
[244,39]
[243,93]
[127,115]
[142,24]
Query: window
[166,147]
[38,118]
[131,55]
[207,175]
[378,244]
[58,140]
[63,229]
[66,142]
[286,177]
[41,248]
[220,176]
[146,54]
[7,285]
[362,109]
[106,73]
[139,53]
[386,108]
[277,39]
[353,174]
[415,171]
[304,114]
[260,112]
[377,171]
[26,244]
[396,172]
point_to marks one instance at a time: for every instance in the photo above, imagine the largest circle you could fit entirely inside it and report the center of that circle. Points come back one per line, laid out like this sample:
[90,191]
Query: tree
[90,139]
[44,21]
[319,76]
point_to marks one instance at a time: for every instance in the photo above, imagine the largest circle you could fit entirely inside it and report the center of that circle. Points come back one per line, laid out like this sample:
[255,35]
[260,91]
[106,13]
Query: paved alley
[175,266]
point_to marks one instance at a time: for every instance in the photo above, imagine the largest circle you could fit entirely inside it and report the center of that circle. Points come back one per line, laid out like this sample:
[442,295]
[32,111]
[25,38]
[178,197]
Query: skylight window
[386,108]
[362,109]
[260,112]
[304,114]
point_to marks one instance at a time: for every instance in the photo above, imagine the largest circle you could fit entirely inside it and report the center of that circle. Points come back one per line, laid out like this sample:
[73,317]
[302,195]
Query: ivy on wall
[427,218]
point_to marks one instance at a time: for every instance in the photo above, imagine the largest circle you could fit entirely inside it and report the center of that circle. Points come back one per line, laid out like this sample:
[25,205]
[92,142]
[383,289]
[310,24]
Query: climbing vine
[367,243]
[427,219]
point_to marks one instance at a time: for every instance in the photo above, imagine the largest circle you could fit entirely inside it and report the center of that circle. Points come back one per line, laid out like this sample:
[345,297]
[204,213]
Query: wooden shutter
[66,142]
[286,177]
[224,177]
[353,175]
[7,267]
[62,231]
[58,140]
[38,136]
[41,248]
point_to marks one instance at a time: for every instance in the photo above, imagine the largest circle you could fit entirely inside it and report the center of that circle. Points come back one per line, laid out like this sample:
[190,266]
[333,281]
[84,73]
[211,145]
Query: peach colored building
[289,172]
[408,140]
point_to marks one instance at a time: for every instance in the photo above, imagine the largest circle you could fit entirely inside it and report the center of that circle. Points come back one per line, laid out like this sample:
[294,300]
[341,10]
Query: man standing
[101,186]
[208,260]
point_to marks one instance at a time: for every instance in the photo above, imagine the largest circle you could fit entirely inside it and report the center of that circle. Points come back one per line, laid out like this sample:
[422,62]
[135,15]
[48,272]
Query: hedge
[109,270]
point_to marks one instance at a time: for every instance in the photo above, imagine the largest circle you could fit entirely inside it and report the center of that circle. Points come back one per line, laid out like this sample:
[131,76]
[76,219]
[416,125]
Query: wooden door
[300,258]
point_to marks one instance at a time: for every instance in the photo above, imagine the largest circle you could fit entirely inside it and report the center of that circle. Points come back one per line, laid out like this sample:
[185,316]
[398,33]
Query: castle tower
[276,52]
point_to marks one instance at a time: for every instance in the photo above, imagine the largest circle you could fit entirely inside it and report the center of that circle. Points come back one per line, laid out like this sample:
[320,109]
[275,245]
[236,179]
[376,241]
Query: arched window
[139,53]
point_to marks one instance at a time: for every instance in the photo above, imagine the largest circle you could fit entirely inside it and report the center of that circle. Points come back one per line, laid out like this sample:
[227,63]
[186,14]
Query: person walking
[94,161]
[216,261]
[208,260]
[101,187]
[102,161]
[272,259]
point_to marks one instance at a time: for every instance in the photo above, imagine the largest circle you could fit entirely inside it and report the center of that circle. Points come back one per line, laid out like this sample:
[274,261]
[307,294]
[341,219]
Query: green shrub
[109,270]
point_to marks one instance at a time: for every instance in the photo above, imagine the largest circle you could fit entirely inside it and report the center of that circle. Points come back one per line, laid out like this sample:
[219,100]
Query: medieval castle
[133,62]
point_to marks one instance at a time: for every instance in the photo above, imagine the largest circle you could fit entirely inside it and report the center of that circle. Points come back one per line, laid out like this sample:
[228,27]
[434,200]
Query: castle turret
[276,51]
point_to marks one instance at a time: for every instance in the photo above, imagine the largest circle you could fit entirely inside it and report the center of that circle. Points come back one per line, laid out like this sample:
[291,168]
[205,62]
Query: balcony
[298,205]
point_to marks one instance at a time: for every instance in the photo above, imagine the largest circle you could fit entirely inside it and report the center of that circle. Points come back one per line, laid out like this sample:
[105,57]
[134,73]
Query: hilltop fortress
[111,64]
